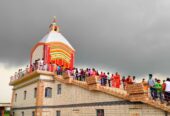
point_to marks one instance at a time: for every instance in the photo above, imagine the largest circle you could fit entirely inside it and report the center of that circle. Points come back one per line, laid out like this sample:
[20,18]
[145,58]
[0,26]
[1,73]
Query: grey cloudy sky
[129,36]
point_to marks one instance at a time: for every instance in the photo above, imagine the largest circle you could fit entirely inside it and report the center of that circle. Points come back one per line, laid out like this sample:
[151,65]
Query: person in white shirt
[151,84]
[27,69]
[109,78]
[45,67]
[41,63]
[167,90]
[134,80]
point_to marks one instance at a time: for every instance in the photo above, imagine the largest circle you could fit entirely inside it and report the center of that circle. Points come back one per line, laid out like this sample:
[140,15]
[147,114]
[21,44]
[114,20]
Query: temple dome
[54,36]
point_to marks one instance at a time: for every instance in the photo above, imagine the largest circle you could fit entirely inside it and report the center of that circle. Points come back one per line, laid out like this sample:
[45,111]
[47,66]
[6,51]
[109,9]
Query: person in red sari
[117,80]
[50,67]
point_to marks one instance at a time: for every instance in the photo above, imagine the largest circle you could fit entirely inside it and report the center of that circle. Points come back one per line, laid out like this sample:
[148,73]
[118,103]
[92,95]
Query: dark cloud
[127,36]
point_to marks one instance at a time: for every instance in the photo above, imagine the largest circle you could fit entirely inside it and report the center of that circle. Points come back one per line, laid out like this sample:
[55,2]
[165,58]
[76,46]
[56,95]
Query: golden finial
[53,25]
[54,19]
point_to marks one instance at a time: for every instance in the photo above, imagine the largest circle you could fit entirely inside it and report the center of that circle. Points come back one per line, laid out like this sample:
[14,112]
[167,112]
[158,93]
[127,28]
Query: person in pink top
[94,72]
[113,80]
[91,72]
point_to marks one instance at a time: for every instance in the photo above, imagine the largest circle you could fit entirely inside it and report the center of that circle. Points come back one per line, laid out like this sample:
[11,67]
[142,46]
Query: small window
[33,113]
[25,95]
[15,97]
[22,113]
[58,113]
[35,92]
[100,112]
[48,92]
[59,89]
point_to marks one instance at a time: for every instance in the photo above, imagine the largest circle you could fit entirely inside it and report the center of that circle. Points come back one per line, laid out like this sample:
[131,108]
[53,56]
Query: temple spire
[54,19]
[53,26]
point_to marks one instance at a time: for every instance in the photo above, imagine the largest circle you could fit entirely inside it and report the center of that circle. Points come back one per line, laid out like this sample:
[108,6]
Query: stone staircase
[134,93]
[112,91]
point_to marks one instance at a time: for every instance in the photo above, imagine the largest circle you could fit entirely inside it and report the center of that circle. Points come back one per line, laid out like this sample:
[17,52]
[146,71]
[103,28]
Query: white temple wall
[38,53]
[26,112]
[71,94]
[30,100]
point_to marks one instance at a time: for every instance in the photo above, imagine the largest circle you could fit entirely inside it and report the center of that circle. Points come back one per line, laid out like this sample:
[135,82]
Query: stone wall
[71,94]
[30,100]
[111,110]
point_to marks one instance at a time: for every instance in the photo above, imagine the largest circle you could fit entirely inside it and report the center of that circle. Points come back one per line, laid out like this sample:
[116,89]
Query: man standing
[151,84]
[158,88]
[145,85]
[167,90]
[108,78]
[41,64]
[124,82]
[163,88]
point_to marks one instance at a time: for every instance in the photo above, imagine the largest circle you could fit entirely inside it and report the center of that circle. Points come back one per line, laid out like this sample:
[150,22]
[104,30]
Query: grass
[7,113]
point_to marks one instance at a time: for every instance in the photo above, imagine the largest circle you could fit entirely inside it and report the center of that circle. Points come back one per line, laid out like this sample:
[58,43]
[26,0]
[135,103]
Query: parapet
[136,92]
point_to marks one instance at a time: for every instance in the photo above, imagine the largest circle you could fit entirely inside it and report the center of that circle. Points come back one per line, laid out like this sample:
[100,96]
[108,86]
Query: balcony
[27,75]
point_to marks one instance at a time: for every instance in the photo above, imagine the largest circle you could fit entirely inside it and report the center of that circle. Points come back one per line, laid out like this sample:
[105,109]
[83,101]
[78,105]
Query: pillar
[12,100]
[39,98]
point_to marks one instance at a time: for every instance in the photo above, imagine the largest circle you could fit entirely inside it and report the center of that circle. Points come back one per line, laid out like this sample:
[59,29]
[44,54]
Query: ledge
[29,76]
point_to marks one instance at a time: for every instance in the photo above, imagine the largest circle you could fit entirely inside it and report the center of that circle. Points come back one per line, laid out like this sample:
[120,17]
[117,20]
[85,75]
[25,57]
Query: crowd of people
[105,79]
[156,89]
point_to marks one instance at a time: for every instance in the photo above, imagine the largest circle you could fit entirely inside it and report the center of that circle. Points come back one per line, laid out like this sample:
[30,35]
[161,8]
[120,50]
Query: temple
[43,89]
[54,48]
